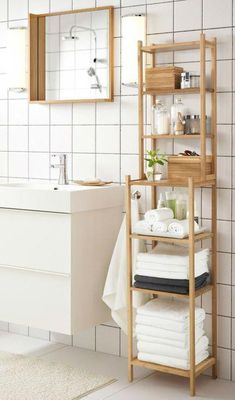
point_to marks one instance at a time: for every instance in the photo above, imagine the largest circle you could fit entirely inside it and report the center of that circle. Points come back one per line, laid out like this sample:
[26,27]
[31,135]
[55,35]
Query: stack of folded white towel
[166,268]
[161,221]
[162,329]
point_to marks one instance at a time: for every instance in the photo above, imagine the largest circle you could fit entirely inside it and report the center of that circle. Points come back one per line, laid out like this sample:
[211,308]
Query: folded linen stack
[166,268]
[161,221]
[162,328]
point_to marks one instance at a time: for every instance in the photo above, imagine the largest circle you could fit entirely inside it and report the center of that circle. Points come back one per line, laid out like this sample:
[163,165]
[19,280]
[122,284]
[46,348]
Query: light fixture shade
[133,30]
[16,59]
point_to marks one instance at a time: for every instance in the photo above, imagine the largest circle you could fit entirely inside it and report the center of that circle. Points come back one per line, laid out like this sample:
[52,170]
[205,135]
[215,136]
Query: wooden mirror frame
[37,59]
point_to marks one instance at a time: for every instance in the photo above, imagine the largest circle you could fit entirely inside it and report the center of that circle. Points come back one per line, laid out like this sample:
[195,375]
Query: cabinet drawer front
[38,300]
[35,240]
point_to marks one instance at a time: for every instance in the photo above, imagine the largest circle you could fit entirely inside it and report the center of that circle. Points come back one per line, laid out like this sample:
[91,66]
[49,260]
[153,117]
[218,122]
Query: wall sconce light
[16,59]
[133,29]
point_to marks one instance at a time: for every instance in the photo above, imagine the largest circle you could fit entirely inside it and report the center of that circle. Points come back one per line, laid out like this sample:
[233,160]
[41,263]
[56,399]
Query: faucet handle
[62,159]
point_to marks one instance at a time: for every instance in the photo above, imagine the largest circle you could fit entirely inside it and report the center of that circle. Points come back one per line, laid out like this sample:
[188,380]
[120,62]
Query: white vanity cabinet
[55,250]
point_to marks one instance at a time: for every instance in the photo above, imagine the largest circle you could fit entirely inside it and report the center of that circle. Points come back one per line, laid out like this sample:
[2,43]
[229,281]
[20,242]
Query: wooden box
[163,78]
[185,166]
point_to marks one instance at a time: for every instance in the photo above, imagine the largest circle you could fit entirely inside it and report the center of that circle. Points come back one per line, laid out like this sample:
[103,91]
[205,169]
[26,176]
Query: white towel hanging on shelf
[115,290]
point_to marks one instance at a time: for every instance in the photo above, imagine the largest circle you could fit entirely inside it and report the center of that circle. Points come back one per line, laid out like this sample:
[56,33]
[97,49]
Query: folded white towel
[158,332]
[141,227]
[170,342]
[171,361]
[157,266]
[156,215]
[181,227]
[172,351]
[172,254]
[168,324]
[161,226]
[164,273]
[170,309]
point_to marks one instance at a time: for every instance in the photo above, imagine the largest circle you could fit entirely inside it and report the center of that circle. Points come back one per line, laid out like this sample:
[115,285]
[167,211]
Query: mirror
[71,56]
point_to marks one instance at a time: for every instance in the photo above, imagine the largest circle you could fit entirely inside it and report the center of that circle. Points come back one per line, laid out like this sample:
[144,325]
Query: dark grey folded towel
[170,285]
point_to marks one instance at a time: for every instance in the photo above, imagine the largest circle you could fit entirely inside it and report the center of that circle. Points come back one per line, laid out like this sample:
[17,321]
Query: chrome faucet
[63,177]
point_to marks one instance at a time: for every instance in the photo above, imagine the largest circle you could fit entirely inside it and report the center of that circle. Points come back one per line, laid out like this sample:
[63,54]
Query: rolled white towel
[156,215]
[141,228]
[181,227]
[162,226]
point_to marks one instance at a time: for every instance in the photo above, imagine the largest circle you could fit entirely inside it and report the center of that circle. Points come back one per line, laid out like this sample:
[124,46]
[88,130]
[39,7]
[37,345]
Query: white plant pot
[153,176]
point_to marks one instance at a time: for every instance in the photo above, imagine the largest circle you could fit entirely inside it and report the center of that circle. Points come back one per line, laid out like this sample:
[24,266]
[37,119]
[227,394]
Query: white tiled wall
[102,139]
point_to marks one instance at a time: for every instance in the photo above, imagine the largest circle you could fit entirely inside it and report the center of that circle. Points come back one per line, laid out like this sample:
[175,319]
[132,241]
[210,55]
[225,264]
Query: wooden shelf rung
[198,292]
[197,237]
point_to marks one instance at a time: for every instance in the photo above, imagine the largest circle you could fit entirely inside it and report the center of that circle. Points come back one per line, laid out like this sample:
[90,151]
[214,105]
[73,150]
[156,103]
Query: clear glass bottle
[177,107]
[180,208]
[160,119]
[171,201]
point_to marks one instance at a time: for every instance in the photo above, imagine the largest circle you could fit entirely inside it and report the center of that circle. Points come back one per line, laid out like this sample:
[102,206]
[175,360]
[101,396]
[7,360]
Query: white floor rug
[26,378]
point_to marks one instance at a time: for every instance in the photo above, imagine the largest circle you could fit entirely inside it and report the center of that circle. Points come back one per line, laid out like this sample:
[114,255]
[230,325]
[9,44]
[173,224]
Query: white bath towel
[171,361]
[172,351]
[162,226]
[156,215]
[172,254]
[181,227]
[164,273]
[170,309]
[177,336]
[141,228]
[169,342]
[115,290]
[167,324]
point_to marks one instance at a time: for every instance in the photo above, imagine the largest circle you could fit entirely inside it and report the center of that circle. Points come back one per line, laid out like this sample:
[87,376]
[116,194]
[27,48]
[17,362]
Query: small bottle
[177,107]
[171,201]
[181,208]
[161,202]
[179,125]
[155,110]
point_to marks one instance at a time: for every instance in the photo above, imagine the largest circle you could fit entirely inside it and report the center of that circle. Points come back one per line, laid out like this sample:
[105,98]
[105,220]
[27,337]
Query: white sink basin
[59,198]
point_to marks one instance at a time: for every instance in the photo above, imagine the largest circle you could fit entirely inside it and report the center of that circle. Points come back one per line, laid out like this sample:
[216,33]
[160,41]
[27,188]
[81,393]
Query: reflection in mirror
[78,57]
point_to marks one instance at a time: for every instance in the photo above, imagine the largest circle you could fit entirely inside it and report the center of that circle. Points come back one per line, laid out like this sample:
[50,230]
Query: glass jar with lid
[160,119]
[195,124]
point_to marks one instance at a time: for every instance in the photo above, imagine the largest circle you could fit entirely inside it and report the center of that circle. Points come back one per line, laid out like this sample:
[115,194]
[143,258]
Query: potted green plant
[154,159]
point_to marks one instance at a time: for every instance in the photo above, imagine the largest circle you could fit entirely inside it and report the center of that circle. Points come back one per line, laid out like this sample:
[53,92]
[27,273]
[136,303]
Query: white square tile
[39,165]
[224,140]
[108,167]
[224,41]
[224,236]
[39,333]
[84,114]
[129,139]
[224,300]
[224,76]
[78,4]
[3,112]
[3,138]
[224,209]
[107,339]
[61,114]
[83,166]
[224,172]
[18,9]
[18,112]
[129,166]
[85,339]
[108,113]
[101,3]
[18,138]
[187,15]
[53,24]
[3,164]
[129,110]
[61,338]
[217,14]
[39,7]
[107,139]
[38,138]
[18,165]
[224,363]
[3,10]
[61,139]
[84,139]
[61,5]
[224,268]
[224,332]
[20,329]
[160,18]
[224,107]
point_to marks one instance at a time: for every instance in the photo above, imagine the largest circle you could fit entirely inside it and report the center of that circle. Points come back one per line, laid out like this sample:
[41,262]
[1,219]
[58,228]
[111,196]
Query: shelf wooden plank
[178,46]
[210,180]
[207,363]
[198,292]
[170,136]
[197,237]
[159,92]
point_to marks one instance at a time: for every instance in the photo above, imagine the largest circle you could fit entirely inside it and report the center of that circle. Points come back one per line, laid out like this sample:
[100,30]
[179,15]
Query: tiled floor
[147,385]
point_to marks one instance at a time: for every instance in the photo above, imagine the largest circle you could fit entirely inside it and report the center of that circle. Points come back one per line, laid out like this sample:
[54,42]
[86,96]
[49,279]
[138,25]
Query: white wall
[102,139]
